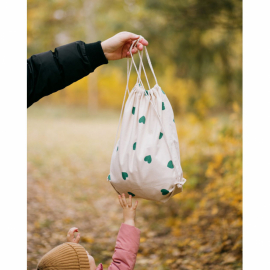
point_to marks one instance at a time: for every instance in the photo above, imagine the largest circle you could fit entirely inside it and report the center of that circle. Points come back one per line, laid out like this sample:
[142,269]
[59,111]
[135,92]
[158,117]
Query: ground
[69,152]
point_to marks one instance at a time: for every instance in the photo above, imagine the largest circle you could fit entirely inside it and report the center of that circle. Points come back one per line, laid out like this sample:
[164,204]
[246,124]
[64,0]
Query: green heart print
[134,146]
[148,159]
[165,191]
[109,177]
[124,175]
[162,91]
[160,135]
[163,106]
[130,193]
[142,120]
[133,110]
[170,164]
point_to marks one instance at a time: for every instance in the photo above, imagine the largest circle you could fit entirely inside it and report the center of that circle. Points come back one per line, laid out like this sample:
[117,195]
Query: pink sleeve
[126,248]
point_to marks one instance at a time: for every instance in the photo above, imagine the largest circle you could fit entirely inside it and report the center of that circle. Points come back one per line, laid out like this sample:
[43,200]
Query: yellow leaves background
[69,152]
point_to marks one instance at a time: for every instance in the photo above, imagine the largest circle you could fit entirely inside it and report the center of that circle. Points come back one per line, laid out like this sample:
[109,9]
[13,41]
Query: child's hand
[129,211]
[70,235]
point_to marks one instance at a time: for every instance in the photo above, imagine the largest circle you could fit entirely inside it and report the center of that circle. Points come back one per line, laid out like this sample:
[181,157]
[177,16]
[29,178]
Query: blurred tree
[199,43]
[89,11]
[199,37]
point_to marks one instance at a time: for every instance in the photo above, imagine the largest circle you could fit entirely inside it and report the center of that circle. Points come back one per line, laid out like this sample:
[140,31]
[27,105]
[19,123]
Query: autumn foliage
[196,51]
[69,153]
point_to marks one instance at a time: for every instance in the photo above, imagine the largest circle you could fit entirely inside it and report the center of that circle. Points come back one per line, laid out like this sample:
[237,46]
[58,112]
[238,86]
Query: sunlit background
[196,50]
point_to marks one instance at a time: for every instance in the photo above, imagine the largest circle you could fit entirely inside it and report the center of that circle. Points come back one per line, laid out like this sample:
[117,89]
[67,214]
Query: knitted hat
[66,256]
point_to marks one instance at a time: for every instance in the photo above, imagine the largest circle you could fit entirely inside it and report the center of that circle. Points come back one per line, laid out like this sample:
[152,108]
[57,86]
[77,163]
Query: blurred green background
[196,50]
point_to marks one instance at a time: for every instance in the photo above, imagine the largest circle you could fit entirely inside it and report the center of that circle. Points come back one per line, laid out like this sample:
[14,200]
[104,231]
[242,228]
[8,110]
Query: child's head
[70,255]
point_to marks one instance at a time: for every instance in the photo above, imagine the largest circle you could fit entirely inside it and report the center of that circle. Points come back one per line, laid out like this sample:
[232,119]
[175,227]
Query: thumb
[129,35]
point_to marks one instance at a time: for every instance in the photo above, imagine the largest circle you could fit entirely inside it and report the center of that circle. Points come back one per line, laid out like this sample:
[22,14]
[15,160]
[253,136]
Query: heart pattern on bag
[142,120]
[134,146]
[170,164]
[165,191]
[160,135]
[133,110]
[148,159]
[163,106]
[124,175]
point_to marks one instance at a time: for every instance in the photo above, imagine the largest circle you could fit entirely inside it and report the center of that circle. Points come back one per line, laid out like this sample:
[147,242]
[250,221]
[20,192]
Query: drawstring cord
[121,114]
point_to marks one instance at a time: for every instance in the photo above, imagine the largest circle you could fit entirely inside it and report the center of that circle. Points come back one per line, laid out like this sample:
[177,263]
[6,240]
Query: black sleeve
[50,71]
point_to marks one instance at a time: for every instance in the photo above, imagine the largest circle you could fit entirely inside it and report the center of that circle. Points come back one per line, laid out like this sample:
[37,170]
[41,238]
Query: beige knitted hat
[66,256]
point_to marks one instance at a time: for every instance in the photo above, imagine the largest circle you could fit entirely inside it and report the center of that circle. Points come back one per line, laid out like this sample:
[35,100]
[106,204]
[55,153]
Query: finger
[140,46]
[71,231]
[128,54]
[77,239]
[143,41]
[120,201]
[130,201]
[135,206]
[134,50]
[124,200]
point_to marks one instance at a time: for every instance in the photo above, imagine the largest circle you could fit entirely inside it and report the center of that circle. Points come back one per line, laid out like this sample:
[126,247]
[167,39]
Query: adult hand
[71,237]
[117,47]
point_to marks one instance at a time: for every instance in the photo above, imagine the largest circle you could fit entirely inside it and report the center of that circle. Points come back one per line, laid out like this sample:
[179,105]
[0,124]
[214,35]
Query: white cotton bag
[146,161]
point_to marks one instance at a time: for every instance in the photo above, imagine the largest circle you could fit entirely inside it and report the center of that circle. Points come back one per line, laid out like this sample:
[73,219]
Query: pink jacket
[126,249]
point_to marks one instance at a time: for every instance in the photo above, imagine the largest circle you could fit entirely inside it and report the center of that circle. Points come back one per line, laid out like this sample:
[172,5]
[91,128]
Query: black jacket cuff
[95,54]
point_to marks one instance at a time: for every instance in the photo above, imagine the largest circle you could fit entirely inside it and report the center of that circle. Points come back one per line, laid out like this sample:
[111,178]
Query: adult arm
[50,71]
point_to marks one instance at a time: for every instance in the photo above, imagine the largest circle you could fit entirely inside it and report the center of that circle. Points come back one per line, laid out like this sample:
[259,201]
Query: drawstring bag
[146,160]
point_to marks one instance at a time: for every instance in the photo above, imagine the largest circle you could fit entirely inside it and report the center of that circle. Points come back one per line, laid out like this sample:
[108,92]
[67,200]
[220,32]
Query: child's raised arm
[129,211]
[128,239]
